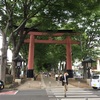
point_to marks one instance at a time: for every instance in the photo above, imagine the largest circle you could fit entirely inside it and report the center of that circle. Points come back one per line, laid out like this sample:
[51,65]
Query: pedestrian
[56,76]
[65,82]
[60,77]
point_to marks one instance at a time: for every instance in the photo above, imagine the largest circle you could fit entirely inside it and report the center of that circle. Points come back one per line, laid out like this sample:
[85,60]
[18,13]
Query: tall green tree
[15,15]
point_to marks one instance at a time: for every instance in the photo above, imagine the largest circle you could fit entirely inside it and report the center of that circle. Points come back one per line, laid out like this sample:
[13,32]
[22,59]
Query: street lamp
[18,61]
[19,64]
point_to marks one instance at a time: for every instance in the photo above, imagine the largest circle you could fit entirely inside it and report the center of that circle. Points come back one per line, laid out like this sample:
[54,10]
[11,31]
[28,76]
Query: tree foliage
[80,15]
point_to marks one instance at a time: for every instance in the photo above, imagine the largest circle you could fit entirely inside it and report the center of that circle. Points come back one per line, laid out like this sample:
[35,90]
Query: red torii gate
[32,41]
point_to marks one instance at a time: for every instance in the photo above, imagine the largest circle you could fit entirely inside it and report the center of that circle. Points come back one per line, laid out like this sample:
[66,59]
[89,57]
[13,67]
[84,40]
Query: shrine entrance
[67,41]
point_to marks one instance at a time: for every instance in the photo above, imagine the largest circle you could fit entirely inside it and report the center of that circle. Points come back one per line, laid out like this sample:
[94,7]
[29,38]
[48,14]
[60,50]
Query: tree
[4,57]
[16,15]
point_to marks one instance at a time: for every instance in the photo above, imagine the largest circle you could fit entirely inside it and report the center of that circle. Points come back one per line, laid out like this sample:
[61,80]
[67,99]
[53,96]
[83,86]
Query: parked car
[1,85]
[95,81]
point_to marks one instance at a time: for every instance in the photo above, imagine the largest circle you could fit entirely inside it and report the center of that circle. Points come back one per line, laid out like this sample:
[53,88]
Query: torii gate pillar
[69,57]
[30,65]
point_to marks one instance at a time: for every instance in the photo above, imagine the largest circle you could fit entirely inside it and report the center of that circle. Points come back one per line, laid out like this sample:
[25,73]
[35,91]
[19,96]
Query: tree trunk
[13,72]
[14,64]
[3,60]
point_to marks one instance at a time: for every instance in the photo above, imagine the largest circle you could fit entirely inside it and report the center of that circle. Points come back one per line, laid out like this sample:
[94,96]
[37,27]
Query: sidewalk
[79,84]
[30,84]
[39,84]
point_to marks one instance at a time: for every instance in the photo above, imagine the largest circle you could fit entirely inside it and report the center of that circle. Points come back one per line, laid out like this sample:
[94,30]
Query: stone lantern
[18,61]
[87,64]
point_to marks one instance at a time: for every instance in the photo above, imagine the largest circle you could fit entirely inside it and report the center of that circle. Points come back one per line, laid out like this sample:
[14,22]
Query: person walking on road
[60,77]
[65,82]
[56,76]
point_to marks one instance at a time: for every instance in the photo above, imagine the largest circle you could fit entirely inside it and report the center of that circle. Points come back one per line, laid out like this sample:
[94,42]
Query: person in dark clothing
[60,77]
[65,82]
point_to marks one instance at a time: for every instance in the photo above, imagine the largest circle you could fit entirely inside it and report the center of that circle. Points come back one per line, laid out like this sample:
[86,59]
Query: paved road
[55,91]
[48,89]
[73,94]
[39,94]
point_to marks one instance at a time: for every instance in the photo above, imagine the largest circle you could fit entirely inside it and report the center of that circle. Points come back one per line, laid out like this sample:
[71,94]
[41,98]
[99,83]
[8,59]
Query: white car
[95,82]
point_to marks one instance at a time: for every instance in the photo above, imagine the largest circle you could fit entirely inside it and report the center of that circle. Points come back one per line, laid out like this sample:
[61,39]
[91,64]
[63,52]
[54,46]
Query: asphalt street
[48,89]
[26,95]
